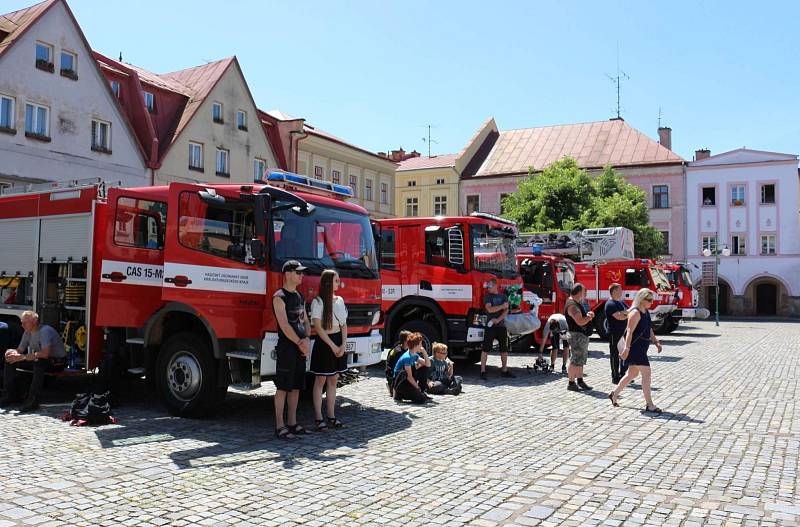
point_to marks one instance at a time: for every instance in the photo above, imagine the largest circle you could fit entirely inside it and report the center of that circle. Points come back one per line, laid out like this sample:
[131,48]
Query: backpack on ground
[91,409]
[391,360]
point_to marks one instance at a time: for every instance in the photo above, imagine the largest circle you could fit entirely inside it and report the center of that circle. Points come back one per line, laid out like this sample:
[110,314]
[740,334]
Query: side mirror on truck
[257,251]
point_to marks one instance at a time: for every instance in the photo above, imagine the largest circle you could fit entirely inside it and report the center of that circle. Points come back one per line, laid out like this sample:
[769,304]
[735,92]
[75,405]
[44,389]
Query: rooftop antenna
[659,117]
[120,56]
[429,140]
[617,81]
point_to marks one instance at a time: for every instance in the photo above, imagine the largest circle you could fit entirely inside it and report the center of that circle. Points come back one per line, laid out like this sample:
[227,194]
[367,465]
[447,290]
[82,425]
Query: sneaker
[30,404]
[507,374]
[563,370]
[583,384]
[483,376]
[572,387]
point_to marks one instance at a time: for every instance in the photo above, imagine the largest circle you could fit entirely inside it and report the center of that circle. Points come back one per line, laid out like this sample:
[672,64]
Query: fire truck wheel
[185,376]
[430,333]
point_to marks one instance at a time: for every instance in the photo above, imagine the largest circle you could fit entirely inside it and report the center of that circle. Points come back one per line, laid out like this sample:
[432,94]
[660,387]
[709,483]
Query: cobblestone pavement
[518,451]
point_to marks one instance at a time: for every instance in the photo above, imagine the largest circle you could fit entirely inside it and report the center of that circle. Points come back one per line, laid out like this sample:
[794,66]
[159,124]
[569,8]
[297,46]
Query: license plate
[350,347]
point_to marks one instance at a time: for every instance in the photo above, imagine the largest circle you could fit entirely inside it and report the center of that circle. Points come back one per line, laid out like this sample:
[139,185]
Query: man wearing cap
[292,349]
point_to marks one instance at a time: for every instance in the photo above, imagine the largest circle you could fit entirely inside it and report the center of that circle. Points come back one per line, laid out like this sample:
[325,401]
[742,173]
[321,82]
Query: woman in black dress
[328,357]
[638,336]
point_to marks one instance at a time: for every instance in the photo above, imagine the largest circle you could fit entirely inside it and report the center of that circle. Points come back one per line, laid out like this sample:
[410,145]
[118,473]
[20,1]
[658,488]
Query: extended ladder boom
[606,243]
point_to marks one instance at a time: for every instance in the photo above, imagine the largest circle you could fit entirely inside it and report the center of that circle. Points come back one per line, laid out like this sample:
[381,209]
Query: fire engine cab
[434,272]
[686,295]
[180,278]
[606,256]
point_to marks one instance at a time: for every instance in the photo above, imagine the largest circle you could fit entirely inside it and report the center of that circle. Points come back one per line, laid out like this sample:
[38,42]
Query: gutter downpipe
[296,144]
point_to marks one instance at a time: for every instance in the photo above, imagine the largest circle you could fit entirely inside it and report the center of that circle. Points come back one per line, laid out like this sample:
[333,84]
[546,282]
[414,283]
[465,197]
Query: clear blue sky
[725,74]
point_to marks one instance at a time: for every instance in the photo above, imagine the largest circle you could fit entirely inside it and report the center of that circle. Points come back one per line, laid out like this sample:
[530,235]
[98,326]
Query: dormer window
[149,101]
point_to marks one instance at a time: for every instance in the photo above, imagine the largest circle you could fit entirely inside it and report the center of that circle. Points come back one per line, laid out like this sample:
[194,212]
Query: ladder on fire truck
[57,186]
[605,243]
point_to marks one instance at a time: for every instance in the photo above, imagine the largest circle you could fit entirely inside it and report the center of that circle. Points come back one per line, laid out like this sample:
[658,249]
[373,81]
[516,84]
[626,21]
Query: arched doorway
[766,296]
[724,298]
[766,299]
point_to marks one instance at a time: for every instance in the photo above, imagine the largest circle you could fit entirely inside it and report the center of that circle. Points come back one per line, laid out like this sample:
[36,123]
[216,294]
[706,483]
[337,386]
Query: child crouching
[442,380]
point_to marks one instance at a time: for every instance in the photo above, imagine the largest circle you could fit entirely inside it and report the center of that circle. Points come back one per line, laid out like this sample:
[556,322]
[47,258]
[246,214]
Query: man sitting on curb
[40,345]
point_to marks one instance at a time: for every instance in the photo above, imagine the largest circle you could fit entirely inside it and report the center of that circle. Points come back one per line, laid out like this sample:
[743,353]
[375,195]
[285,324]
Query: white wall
[72,104]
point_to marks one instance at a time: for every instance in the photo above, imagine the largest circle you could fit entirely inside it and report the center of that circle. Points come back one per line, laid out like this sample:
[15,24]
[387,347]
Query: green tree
[565,197]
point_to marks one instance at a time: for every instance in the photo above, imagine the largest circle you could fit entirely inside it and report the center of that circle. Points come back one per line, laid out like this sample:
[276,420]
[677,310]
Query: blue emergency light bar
[279,176]
[537,249]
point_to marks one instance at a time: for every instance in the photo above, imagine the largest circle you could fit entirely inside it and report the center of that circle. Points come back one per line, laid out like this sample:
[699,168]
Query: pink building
[502,160]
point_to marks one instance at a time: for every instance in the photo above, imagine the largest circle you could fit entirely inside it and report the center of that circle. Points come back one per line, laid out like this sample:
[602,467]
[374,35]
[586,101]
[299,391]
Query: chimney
[703,153]
[665,137]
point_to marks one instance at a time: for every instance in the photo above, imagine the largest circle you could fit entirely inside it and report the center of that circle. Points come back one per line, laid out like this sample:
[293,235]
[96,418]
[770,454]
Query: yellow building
[429,186]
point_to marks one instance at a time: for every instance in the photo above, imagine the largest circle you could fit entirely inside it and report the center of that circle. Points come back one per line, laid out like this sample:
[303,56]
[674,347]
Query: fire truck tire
[186,376]
[600,323]
[429,332]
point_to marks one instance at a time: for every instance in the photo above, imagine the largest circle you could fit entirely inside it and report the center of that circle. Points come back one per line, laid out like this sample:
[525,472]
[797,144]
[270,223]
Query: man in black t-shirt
[496,306]
[616,320]
[292,349]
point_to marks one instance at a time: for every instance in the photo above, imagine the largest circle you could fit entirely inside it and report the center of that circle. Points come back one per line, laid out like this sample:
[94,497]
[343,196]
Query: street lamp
[707,253]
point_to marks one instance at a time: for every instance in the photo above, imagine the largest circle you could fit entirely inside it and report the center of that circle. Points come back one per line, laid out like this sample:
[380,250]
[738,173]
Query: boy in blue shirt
[411,372]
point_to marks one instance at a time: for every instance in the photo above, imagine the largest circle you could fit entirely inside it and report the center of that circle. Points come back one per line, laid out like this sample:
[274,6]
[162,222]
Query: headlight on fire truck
[376,317]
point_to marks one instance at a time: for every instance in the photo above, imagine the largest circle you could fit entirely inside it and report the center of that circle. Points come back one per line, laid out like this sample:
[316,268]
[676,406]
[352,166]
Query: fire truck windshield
[328,238]
[686,276]
[493,252]
[660,279]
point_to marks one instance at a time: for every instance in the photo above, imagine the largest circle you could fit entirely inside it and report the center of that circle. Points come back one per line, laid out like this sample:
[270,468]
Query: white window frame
[241,120]
[11,124]
[74,60]
[198,147]
[412,207]
[412,183]
[50,51]
[738,244]
[105,143]
[354,184]
[771,240]
[710,242]
[149,101]
[223,160]
[368,189]
[336,176]
[440,181]
[36,123]
[440,205]
[116,87]
[319,172]
[734,193]
[214,106]
[384,193]
[259,165]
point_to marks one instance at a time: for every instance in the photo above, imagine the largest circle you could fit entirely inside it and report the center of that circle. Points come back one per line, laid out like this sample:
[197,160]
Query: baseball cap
[292,265]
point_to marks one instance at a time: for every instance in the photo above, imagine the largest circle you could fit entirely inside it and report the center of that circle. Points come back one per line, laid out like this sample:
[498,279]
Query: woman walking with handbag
[638,336]
[328,357]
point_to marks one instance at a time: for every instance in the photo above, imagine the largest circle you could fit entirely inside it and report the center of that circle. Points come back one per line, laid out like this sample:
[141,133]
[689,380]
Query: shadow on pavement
[246,424]
[672,416]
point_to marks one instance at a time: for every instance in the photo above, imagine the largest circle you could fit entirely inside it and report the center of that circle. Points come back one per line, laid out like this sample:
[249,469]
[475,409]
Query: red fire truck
[606,256]
[434,271]
[551,279]
[183,275]
[686,296]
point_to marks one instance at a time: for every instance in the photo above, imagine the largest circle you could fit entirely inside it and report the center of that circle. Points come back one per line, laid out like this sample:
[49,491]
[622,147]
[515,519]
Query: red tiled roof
[14,24]
[595,144]
[419,163]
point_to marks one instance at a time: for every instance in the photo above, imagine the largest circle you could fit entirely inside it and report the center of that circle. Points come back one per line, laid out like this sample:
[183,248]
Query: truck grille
[361,314]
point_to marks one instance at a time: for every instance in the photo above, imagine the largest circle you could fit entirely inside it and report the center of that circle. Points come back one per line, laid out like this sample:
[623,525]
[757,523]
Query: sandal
[613,401]
[334,423]
[655,410]
[321,426]
[298,430]
[284,433]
